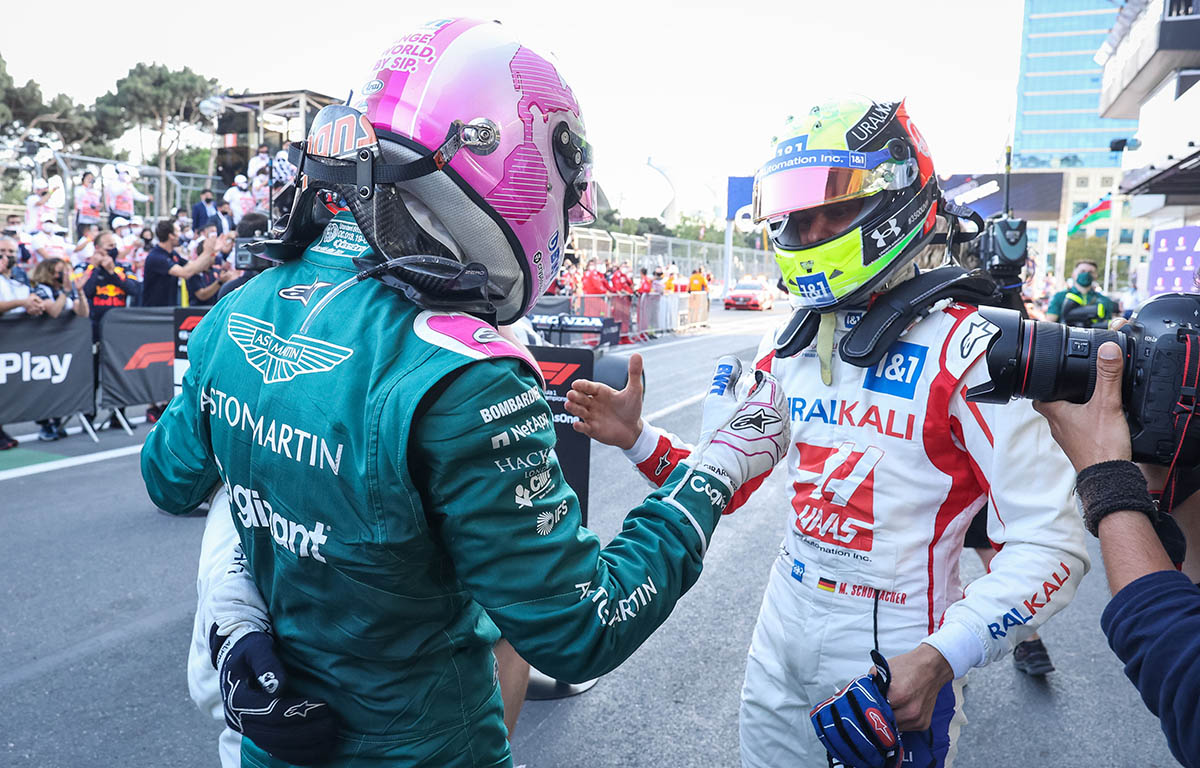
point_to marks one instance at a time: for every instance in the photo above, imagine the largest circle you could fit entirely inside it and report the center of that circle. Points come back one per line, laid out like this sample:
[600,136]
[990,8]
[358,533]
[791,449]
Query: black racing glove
[295,729]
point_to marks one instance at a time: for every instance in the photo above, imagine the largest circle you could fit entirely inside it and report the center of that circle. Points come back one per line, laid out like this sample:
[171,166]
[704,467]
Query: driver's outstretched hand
[606,415]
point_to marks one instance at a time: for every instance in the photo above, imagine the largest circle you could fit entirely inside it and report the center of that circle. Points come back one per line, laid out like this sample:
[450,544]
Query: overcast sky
[699,88]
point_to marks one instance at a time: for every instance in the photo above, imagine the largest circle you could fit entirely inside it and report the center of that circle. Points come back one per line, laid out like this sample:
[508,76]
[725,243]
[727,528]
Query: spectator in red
[594,282]
[645,284]
[621,281]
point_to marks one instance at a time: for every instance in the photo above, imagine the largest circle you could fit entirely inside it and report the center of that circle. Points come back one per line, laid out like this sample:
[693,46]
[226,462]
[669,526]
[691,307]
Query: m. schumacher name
[275,436]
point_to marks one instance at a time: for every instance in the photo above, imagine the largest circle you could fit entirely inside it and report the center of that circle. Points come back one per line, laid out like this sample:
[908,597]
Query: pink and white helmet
[519,169]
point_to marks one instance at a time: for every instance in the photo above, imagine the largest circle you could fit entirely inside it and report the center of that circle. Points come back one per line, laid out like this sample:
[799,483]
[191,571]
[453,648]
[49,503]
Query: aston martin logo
[280,359]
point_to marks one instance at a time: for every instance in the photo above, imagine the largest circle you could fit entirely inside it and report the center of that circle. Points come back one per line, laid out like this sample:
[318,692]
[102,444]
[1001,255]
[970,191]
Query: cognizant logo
[254,511]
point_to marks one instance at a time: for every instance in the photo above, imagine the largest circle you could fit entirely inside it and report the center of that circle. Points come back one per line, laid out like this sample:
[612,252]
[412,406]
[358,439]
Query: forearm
[208,291]
[5,306]
[1131,549]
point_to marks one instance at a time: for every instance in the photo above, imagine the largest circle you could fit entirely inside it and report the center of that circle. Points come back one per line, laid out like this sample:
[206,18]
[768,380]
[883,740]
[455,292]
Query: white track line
[133,422]
[671,408]
[71,461]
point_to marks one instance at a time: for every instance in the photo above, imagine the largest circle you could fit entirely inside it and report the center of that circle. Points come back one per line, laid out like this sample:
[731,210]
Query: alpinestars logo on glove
[758,421]
[280,359]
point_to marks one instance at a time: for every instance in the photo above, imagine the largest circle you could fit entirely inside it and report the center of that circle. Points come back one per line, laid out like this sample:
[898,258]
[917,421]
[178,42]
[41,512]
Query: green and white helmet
[849,197]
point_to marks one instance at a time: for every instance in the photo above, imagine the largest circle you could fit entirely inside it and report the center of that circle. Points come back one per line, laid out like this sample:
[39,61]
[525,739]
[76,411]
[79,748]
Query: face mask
[112,252]
[208,199]
[1084,279]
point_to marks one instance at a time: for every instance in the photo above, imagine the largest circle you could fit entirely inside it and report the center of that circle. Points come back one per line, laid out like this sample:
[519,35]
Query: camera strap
[1184,409]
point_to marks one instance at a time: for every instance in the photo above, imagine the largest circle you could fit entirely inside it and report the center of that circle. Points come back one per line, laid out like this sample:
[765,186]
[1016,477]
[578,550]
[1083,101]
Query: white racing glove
[742,436]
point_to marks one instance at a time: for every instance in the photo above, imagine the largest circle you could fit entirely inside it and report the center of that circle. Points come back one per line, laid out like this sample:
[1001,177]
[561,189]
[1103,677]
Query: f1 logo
[557,373]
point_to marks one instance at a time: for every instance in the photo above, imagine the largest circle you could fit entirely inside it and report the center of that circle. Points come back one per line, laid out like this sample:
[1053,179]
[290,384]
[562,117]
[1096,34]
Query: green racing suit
[394,484]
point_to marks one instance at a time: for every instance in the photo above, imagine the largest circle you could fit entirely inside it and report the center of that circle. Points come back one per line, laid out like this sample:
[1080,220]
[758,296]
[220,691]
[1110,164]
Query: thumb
[1109,367]
[725,378]
[262,663]
[636,385]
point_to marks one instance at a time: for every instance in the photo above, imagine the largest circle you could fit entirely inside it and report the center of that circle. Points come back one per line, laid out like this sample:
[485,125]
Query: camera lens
[1040,360]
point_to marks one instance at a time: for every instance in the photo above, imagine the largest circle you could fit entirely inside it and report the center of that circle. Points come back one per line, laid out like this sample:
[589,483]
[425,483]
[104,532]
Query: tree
[164,100]
[24,114]
[1081,248]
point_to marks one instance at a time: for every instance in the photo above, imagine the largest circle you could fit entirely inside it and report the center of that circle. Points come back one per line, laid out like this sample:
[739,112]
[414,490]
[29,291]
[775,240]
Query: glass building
[1058,123]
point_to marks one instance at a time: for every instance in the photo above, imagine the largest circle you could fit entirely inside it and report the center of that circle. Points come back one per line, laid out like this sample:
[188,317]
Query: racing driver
[889,462]
[389,457]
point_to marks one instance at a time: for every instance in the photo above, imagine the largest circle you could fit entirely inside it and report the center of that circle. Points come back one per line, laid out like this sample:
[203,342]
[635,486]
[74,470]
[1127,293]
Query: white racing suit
[888,466]
[222,600]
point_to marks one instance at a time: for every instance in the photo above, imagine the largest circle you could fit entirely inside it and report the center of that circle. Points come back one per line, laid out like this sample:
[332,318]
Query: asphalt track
[98,593]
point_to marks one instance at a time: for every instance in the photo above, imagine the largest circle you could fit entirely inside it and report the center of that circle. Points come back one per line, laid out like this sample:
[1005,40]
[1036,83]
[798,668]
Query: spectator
[645,285]
[203,209]
[10,248]
[260,191]
[120,195]
[49,242]
[202,287]
[659,285]
[239,197]
[621,281]
[106,283]
[283,172]
[88,208]
[164,267]
[594,282]
[86,245]
[15,299]
[255,226]
[259,161]
[37,205]
[697,282]
[1081,304]
[224,217]
[52,284]
[140,245]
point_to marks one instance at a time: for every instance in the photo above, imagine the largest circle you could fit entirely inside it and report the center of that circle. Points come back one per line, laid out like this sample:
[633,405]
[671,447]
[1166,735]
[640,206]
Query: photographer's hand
[1096,432]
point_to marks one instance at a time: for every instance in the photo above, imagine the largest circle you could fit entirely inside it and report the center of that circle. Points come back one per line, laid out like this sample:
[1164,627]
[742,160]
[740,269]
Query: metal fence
[180,189]
[636,314]
[650,251]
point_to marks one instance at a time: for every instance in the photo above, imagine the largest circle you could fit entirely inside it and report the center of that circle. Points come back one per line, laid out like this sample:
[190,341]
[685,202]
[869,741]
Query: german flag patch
[827,585]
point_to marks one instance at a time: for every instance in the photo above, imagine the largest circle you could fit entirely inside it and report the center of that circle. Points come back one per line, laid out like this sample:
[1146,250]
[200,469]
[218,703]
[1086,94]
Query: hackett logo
[52,368]
[280,359]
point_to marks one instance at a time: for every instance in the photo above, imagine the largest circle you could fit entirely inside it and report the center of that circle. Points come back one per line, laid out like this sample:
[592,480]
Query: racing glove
[742,437]
[295,729]
[857,726]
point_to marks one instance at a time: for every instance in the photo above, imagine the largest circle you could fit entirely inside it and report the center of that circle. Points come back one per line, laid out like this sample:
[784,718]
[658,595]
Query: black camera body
[1048,361]
[245,260]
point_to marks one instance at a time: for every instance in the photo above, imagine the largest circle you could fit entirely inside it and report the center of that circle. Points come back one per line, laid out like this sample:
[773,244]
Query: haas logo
[835,494]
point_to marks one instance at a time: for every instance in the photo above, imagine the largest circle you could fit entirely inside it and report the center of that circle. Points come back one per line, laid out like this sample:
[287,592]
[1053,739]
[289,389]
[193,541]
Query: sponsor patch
[547,519]
[898,372]
[797,570]
[757,421]
[535,488]
[814,289]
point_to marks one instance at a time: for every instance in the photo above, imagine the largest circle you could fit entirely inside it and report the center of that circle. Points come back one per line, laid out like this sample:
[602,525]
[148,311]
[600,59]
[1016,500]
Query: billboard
[1173,260]
[1033,196]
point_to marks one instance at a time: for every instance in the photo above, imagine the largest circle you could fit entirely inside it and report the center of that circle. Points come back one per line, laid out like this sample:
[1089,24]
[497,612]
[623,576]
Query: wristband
[1112,486]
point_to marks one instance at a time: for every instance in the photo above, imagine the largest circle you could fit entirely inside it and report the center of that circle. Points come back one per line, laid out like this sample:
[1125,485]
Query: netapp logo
[52,368]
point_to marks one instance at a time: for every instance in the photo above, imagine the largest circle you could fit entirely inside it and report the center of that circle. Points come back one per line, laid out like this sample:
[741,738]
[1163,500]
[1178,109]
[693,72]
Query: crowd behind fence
[636,314]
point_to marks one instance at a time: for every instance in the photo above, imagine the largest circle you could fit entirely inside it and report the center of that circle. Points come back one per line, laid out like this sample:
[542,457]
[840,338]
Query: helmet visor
[797,178]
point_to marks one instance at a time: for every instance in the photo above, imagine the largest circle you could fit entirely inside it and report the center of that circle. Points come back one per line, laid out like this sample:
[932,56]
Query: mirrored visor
[798,178]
